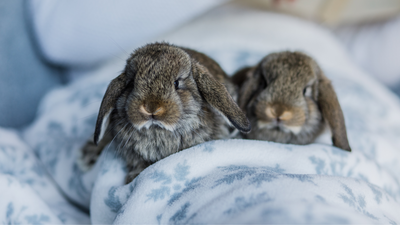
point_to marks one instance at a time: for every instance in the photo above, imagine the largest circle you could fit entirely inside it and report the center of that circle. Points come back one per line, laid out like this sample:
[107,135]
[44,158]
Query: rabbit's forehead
[289,67]
[294,76]
[165,67]
[289,82]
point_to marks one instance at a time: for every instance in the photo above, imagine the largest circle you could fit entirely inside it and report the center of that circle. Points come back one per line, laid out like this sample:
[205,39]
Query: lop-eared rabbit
[167,99]
[288,99]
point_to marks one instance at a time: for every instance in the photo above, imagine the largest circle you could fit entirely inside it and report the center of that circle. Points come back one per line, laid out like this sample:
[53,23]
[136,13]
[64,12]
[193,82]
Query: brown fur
[288,98]
[167,99]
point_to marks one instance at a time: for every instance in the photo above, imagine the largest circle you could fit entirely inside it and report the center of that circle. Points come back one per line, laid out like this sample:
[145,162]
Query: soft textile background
[85,33]
[24,76]
[376,48]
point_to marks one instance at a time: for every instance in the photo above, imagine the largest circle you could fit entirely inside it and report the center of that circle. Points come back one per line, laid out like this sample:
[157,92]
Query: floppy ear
[332,112]
[252,85]
[241,76]
[218,97]
[255,80]
[114,90]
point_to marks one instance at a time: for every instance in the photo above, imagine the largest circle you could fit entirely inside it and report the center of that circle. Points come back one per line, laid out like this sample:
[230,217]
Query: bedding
[223,181]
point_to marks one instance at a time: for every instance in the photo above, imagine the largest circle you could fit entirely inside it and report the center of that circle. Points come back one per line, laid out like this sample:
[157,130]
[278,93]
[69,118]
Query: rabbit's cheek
[190,102]
[135,112]
[314,117]
[260,112]
[298,118]
[267,124]
[185,97]
[171,116]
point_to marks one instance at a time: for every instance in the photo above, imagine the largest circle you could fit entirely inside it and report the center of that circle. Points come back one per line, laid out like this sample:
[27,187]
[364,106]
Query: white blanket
[225,181]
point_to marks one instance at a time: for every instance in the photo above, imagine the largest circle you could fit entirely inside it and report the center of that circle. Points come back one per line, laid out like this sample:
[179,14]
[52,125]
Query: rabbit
[287,99]
[167,99]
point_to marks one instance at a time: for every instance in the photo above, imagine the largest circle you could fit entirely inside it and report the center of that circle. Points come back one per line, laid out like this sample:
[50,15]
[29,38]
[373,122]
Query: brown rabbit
[167,99]
[287,99]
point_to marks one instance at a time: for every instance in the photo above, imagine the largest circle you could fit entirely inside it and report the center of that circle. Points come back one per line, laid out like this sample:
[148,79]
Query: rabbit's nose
[152,109]
[286,115]
[278,113]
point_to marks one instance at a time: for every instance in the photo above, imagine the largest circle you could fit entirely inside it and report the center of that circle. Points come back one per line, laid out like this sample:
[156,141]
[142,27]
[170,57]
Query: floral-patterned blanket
[224,181]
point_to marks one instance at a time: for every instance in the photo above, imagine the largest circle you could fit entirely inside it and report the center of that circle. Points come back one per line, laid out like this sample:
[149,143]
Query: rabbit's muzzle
[280,117]
[152,110]
[146,113]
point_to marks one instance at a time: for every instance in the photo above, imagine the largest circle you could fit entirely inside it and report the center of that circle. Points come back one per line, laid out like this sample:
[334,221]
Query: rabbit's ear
[253,84]
[218,97]
[114,90]
[332,112]
[241,76]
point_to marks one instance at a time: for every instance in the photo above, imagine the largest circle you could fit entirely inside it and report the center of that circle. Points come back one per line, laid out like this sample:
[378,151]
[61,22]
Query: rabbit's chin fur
[149,123]
[283,133]
[155,141]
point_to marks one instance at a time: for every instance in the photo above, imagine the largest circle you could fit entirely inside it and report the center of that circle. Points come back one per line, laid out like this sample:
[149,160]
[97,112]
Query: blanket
[223,181]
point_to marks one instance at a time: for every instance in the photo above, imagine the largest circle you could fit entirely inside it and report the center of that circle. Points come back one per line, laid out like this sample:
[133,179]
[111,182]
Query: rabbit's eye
[307,91]
[176,83]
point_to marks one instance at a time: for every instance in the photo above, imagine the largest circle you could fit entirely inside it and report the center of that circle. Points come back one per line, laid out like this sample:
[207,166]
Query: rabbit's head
[287,97]
[162,87]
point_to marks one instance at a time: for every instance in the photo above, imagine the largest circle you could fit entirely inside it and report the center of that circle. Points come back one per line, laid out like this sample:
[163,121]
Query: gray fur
[183,117]
[281,108]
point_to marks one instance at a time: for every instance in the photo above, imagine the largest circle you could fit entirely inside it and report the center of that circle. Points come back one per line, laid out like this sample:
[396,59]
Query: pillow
[84,34]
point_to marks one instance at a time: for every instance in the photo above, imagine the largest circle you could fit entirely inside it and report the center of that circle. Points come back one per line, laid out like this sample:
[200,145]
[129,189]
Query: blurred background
[45,44]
